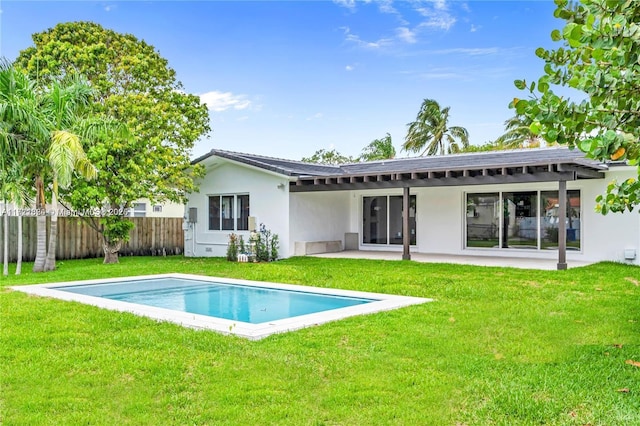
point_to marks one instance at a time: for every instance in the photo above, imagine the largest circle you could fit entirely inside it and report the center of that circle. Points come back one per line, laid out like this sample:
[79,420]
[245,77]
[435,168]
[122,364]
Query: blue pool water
[244,303]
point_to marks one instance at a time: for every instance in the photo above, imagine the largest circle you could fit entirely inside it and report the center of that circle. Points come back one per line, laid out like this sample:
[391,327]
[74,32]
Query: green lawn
[497,347]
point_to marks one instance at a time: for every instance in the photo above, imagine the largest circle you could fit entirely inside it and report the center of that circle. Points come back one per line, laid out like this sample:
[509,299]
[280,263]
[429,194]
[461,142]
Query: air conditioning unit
[629,254]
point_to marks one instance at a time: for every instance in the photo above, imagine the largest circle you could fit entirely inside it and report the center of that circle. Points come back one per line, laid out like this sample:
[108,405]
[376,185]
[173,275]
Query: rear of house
[483,204]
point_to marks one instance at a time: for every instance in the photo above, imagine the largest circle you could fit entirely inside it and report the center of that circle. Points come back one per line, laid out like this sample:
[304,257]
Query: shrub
[232,248]
[266,244]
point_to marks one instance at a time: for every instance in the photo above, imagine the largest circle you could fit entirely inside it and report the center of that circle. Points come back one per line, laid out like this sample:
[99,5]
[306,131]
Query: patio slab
[512,262]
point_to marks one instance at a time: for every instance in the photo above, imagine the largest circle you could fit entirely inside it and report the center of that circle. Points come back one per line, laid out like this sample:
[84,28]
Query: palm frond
[430,133]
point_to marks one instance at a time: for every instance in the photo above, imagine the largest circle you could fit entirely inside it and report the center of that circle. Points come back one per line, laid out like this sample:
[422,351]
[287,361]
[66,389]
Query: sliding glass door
[382,219]
[521,220]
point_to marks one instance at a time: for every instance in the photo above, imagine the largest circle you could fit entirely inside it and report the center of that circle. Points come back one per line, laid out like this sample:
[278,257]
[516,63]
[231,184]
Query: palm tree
[20,122]
[430,132]
[518,134]
[15,189]
[379,149]
[65,106]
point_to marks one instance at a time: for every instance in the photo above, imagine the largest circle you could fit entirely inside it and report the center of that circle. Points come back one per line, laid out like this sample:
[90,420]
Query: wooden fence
[77,240]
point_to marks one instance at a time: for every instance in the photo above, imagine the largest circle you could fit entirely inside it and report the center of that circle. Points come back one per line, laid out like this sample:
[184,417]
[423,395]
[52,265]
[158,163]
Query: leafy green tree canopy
[136,87]
[326,156]
[379,149]
[600,57]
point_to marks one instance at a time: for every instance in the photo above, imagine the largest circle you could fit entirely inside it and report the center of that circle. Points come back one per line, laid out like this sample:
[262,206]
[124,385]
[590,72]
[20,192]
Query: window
[483,220]
[382,219]
[517,220]
[520,220]
[243,212]
[139,209]
[229,212]
[549,219]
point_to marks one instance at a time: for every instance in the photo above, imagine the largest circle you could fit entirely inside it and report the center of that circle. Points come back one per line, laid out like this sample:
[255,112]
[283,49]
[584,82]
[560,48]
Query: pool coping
[384,302]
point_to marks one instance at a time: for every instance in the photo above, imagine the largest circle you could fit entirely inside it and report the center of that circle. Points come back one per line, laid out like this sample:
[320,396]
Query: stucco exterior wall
[267,202]
[319,216]
[608,236]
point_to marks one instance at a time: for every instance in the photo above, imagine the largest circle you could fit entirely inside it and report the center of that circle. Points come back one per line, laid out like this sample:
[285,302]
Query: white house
[144,208]
[503,203]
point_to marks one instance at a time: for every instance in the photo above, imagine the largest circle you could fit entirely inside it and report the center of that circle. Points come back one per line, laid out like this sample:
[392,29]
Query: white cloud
[316,116]
[406,35]
[355,39]
[440,4]
[349,67]
[349,4]
[109,7]
[439,21]
[474,28]
[473,51]
[437,17]
[222,101]
[386,6]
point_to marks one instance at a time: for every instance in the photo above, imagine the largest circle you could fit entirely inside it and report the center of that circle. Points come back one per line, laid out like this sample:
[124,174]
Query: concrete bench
[303,248]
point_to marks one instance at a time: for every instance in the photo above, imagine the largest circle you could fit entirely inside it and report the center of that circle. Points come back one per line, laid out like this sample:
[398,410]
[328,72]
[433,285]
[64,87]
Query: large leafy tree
[430,133]
[599,58]
[135,86]
[379,149]
[328,156]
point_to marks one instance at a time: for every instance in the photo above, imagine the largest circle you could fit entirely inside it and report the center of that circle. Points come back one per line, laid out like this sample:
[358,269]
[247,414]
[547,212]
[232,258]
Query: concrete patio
[512,262]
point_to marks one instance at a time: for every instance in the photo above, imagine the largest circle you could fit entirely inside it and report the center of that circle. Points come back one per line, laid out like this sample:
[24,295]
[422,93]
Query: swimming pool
[248,309]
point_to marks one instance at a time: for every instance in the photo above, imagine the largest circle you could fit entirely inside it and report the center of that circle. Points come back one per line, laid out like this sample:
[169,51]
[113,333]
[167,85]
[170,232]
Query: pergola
[559,165]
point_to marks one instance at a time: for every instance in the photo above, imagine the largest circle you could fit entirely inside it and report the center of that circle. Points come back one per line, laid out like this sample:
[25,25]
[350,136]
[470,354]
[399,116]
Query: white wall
[608,236]
[169,209]
[268,203]
[319,216]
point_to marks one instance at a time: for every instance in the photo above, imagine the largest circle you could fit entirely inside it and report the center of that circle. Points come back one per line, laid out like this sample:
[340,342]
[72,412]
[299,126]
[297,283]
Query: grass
[499,347]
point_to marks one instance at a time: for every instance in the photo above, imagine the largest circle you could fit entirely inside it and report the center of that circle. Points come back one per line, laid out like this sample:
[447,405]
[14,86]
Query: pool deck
[511,262]
[290,321]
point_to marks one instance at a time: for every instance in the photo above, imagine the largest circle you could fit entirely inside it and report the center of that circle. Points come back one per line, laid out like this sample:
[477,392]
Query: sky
[287,78]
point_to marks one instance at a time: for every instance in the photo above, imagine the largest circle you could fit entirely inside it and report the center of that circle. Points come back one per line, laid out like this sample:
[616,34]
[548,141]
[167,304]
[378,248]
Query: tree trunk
[50,261]
[5,268]
[41,226]
[19,261]
[110,251]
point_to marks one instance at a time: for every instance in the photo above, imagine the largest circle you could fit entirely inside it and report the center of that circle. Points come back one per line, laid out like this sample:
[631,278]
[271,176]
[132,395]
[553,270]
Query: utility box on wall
[193,215]
[253,223]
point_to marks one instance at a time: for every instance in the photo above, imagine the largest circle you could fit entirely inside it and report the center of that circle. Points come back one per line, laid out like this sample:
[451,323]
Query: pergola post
[562,225]
[406,232]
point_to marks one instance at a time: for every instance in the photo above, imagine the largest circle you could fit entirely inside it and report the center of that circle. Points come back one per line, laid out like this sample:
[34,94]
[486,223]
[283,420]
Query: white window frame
[136,210]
